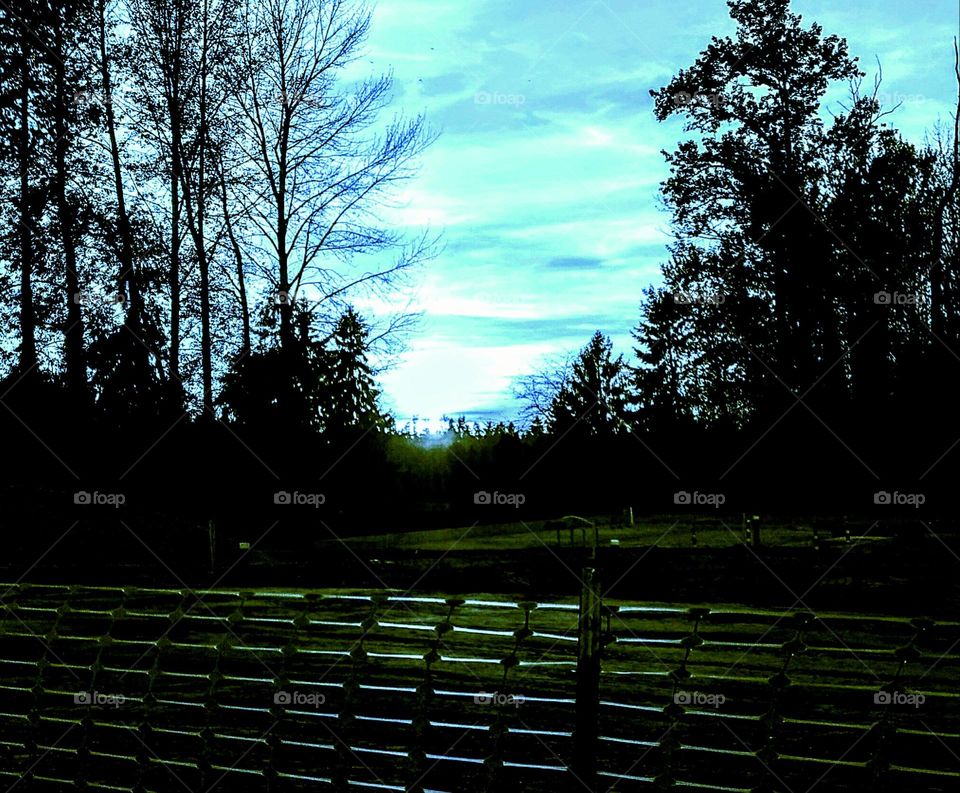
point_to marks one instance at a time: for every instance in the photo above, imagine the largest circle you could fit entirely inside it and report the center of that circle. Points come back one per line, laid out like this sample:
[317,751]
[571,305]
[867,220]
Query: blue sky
[544,178]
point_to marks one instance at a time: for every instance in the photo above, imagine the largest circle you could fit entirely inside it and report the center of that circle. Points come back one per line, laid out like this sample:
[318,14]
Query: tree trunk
[238,260]
[28,320]
[76,368]
[126,280]
[173,277]
[286,306]
[196,216]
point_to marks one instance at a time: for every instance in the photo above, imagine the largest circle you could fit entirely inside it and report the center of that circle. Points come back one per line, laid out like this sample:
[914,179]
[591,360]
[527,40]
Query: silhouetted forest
[193,196]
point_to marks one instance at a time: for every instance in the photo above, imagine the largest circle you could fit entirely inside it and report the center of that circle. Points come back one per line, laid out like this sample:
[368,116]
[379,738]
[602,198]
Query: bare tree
[128,277]
[187,74]
[538,391]
[18,30]
[239,259]
[322,177]
[161,30]
[68,22]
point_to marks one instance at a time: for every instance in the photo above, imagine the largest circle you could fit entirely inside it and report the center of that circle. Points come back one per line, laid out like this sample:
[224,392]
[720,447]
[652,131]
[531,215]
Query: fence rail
[141,690]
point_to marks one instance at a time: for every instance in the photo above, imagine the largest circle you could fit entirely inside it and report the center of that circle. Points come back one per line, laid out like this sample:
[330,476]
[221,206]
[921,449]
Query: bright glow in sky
[544,179]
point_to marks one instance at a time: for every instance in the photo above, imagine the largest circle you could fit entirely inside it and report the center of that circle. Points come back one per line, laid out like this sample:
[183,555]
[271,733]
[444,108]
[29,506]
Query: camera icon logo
[82,497]
[482,497]
[882,497]
[282,497]
[282,698]
[682,497]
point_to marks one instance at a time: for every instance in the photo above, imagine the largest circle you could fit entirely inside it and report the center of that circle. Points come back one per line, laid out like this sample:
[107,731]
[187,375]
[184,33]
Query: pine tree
[594,398]
[350,398]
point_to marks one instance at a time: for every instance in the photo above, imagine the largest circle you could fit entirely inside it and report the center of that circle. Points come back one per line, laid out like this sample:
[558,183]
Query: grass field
[666,531]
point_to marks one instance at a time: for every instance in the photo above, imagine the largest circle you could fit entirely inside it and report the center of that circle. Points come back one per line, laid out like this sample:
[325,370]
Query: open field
[666,531]
[892,568]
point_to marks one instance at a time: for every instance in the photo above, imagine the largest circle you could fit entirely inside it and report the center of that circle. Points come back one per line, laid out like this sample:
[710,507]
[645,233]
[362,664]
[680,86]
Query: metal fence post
[584,765]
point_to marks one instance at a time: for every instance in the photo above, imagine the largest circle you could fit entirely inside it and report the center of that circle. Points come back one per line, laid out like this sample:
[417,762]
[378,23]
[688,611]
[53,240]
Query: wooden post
[584,764]
[631,515]
[212,533]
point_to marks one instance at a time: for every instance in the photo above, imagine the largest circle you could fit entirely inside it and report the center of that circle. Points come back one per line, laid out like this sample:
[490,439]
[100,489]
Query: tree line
[194,198]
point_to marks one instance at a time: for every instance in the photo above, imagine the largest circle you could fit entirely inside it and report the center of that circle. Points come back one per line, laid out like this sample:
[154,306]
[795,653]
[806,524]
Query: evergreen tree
[350,398]
[738,190]
[594,398]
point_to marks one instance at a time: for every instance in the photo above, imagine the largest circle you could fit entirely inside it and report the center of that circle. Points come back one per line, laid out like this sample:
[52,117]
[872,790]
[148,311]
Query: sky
[544,178]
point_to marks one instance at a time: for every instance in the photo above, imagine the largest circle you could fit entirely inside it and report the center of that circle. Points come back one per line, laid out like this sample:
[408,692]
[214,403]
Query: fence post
[212,536]
[584,765]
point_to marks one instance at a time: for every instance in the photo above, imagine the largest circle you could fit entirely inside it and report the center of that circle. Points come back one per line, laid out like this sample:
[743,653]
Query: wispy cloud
[545,176]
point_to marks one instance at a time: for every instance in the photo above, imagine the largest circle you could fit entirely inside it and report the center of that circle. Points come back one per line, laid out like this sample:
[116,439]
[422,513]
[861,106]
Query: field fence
[149,690]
